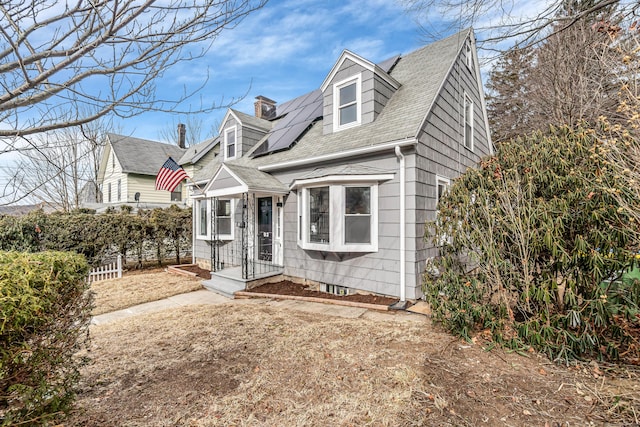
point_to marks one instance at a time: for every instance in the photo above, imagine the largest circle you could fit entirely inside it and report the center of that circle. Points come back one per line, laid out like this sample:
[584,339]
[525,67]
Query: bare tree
[60,167]
[521,21]
[196,130]
[57,58]
[569,78]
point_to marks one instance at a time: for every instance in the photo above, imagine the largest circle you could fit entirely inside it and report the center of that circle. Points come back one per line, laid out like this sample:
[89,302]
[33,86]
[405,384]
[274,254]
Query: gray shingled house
[334,187]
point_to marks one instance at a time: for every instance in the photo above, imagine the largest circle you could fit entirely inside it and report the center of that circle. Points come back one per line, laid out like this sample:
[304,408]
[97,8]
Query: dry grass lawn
[247,363]
[134,289]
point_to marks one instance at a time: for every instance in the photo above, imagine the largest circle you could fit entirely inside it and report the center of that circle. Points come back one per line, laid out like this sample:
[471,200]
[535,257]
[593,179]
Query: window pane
[224,226]
[319,215]
[348,94]
[223,208]
[357,200]
[203,218]
[348,114]
[357,229]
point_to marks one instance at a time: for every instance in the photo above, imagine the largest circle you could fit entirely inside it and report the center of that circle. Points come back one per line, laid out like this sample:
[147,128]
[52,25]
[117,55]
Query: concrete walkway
[208,297]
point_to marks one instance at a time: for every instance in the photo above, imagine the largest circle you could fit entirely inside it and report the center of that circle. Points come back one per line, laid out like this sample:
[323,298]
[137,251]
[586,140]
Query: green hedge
[45,310]
[97,235]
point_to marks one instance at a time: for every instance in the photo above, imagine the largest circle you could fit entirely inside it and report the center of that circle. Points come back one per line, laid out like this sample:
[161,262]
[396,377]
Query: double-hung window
[230,143]
[339,217]
[346,101]
[357,215]
[468,122]
[223,219]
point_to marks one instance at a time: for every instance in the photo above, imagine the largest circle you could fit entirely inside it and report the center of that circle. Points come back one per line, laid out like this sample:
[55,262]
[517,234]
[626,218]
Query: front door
[265,229]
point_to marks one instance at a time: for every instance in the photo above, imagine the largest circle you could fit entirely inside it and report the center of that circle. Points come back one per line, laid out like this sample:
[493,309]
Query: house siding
[224,180]
[248,138]
[441,152]
[376,272]
[113,172]
[146,186]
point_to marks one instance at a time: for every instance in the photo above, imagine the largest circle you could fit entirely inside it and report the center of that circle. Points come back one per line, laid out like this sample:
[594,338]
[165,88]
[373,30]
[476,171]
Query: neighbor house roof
[420,74]
[142,156]
[196,152]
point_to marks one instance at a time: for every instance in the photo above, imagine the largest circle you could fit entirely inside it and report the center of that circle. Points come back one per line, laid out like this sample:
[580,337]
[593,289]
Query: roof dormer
[239,132]
[355,92]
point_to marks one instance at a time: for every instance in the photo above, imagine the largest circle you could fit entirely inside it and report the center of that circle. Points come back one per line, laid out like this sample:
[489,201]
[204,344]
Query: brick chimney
[265,107]
[182,133]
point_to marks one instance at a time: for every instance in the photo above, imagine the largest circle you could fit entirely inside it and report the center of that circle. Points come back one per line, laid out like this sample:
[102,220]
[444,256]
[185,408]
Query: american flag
[170,175]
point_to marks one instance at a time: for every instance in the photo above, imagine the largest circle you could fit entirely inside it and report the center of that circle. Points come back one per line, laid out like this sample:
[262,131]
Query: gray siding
[373,272]
[375,94]
[248,137]
[224,180]
[441,152]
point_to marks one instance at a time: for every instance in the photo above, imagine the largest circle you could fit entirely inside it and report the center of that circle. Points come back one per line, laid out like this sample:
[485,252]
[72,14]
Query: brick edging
[244,294]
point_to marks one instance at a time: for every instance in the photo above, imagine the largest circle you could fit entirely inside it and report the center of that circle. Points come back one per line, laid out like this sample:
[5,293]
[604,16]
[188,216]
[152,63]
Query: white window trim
[336,219]
[447,182]
[198,204]
[469,56]
[467,101]
[209,234]
[336,99]
[235,134]
[444,180]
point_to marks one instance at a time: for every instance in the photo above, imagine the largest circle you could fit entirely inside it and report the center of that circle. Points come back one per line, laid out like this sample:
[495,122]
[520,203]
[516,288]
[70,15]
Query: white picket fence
[107,271]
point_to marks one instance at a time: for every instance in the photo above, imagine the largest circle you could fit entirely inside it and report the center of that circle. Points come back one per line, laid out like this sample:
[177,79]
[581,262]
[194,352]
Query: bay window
[338,217]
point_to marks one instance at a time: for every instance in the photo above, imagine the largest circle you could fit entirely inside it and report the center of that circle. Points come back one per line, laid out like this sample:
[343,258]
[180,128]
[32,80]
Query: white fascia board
[215,175]
[226,117]
[483,103]
[341,178]
[231,191]
[339,155]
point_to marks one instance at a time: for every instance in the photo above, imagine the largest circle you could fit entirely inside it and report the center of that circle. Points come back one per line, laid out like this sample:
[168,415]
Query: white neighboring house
[129,166]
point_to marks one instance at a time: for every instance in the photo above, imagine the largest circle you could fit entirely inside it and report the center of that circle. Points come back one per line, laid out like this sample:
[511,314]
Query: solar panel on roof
[297,115]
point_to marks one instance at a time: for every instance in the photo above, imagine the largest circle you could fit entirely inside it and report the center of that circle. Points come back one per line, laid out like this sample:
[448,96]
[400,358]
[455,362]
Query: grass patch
[134,289]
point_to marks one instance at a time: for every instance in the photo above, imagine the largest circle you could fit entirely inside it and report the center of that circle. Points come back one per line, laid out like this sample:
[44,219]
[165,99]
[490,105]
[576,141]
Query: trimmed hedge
[45,310]
[99,236]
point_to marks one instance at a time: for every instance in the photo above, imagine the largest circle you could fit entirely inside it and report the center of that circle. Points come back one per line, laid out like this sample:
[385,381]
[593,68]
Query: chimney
[182,132]
[265,107]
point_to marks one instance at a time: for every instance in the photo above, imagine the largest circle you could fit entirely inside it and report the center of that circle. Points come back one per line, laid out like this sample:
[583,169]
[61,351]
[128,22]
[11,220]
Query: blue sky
[282,51]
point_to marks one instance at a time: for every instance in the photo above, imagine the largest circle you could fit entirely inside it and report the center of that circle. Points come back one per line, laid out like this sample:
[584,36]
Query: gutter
[340,155]
[402,304]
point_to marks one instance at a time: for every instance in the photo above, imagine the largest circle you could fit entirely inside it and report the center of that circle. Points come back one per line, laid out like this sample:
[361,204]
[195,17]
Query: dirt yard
[250,364]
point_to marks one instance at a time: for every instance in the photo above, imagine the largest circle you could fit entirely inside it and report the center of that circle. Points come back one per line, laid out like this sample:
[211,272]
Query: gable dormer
[354,93]
[239,132]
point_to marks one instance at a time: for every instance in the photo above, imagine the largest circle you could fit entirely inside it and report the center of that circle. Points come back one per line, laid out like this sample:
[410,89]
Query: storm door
[265,228]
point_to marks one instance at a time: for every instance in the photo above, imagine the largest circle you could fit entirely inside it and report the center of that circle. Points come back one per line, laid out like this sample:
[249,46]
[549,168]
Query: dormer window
[346,102]
[230,143]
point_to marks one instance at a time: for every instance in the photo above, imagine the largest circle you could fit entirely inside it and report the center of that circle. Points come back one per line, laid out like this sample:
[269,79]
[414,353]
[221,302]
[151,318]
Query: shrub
[534,246]
[44,315]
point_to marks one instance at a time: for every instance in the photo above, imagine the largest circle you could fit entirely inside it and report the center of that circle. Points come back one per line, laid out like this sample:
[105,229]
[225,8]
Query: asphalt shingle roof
[142,156]
[421,75]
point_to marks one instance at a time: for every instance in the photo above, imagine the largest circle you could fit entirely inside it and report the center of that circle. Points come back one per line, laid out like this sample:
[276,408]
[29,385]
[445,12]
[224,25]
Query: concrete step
[225,286]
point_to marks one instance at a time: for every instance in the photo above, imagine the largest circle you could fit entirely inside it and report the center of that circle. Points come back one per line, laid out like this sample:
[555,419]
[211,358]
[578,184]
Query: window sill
[320,247]
[225,237]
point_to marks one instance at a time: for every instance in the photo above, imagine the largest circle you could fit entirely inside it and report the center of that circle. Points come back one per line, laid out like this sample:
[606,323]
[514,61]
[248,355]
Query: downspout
[403,297]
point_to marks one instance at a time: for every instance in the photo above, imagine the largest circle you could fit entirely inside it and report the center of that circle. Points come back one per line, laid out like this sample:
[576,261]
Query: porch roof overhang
[233,180]
[346,173]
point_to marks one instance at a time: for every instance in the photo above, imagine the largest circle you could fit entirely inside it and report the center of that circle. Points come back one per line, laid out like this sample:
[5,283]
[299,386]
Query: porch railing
[242,252]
